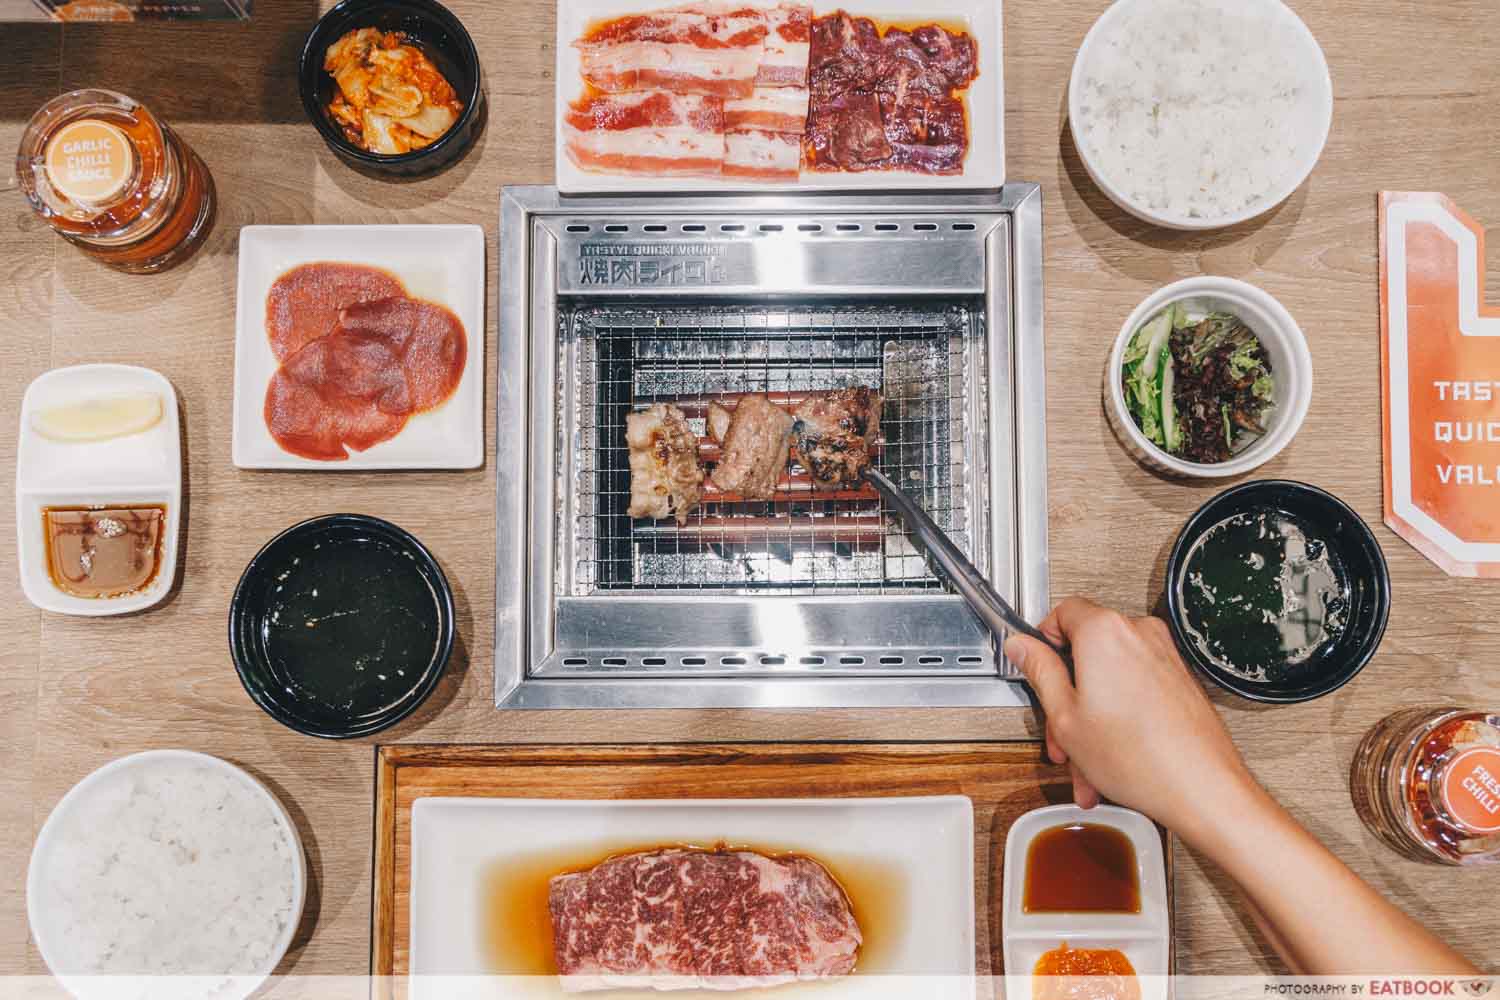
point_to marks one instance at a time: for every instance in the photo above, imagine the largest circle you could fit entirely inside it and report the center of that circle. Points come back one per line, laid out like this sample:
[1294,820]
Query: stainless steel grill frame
[606,304]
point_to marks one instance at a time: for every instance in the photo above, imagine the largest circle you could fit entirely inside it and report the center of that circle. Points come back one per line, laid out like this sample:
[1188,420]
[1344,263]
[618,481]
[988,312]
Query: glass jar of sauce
[110,177]
[1427,782]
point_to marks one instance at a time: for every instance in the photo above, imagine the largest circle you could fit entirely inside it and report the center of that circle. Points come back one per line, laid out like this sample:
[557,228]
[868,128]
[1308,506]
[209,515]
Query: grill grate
[627,357]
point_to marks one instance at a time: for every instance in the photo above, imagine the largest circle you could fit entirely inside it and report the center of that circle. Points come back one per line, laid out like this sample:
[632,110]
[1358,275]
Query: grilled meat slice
[755,449]
[665,477]
[836,433]
[719,419]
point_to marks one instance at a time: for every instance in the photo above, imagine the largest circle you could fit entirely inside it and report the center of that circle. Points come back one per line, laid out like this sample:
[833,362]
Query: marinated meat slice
[755,449]
[327,398]
[428,339]
[887,102]
[848,132]
[304,303]
[665,477]
[719,419]
[683,919]
[836,435]
[953,55]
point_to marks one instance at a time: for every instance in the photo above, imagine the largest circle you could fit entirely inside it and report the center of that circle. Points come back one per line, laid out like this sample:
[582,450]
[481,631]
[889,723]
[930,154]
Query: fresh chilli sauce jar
[110,177]
[1427,782]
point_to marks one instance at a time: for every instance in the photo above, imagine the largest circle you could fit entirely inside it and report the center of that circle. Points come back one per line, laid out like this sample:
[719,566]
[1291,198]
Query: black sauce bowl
[441,36]
[290,674]
[1354,545]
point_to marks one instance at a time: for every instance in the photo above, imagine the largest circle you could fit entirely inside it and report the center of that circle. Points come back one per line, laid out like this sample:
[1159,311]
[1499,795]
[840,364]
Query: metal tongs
[992,609]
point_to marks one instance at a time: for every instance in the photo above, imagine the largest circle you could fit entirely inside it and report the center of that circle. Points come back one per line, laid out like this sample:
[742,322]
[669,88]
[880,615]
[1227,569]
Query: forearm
[1326,919]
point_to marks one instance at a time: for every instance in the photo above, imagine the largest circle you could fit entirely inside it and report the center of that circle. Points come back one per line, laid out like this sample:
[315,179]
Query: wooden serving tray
[1003,780]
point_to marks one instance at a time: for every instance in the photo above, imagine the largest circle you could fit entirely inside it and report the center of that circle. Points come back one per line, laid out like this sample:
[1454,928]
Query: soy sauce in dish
[1081,868]
[1262,595]
[350,625]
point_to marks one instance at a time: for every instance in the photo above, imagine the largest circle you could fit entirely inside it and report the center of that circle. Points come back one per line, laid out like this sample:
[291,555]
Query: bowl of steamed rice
[1199,114]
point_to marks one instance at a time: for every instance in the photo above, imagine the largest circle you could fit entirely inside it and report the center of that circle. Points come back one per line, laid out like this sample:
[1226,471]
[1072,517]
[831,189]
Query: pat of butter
[99,419]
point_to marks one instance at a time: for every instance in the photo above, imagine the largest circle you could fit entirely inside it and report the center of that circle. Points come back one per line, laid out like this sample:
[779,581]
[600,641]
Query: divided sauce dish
[139,468]
[1144,937]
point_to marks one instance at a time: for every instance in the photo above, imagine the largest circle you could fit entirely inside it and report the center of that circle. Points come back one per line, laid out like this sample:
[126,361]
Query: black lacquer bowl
[1354,545]
[441,36]
[341,626]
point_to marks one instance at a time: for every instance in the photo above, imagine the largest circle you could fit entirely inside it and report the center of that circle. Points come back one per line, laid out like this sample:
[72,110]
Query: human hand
[1136,728]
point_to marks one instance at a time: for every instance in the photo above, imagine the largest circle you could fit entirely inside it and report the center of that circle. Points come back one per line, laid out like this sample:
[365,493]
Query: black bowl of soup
[341,626]
[1278,591]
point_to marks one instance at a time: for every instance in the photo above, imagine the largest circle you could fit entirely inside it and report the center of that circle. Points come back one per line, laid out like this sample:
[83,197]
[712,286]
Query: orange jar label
[1471,790]
[89,161]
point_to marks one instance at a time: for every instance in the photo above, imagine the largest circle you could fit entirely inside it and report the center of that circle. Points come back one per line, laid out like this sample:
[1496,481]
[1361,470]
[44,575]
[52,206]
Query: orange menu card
[1440,354]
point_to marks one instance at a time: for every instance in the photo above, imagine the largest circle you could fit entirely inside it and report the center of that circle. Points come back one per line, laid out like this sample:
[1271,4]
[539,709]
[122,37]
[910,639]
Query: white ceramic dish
[143,468]
[1144,937]
[1313,113]
[928,841]
[1284,343]
[984,169]
[57,896]
[444,264]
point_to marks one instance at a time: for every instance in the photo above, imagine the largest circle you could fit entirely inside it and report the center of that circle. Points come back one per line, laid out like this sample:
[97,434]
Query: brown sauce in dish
[104,552]
[1081,868]
[516,926]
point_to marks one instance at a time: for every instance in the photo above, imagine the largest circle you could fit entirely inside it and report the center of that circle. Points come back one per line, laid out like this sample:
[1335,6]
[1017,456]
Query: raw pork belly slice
[682,919]
[711,49]
[788,41]
[763,156]
[769,109]
[655,132]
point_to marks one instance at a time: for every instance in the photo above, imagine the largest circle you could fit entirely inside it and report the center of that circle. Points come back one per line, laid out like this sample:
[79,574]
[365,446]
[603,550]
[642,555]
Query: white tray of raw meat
[675,131]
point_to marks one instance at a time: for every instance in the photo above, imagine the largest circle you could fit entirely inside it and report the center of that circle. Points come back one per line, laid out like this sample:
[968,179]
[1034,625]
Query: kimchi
[391,98]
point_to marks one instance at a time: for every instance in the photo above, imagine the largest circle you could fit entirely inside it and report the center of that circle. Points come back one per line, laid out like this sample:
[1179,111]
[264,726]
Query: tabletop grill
[813,598]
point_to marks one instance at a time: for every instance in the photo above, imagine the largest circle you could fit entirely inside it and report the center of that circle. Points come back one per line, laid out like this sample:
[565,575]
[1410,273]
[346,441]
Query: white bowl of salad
[1210,378]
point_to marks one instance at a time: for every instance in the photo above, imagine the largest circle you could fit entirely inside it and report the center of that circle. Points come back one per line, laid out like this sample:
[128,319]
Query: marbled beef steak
[680,919]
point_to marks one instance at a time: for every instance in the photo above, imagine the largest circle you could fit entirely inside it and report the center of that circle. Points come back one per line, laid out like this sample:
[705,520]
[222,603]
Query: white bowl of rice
[166,874]
[1199,114]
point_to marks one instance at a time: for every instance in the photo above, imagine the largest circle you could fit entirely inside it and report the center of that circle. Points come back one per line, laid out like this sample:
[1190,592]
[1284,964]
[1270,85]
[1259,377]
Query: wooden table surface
[1416,95]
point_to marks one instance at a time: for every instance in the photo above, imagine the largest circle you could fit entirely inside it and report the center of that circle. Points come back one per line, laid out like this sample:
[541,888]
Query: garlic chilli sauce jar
[112,178]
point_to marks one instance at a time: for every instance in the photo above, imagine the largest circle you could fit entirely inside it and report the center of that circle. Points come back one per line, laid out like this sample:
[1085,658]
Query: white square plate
[925,844]
[984,169]
[444,264]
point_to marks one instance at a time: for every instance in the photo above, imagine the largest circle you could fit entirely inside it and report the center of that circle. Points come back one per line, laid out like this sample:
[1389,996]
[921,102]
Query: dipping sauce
[103,552]
[1085,974]
[1081,868]
[1262,595]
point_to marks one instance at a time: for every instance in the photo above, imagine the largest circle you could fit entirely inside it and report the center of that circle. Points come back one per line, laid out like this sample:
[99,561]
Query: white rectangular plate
[984,169]
[444,264]
[927,842]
